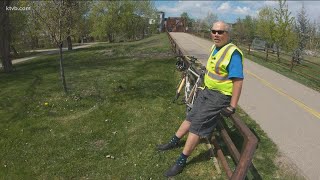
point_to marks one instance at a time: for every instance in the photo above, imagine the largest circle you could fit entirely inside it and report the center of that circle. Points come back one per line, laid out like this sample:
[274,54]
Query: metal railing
[243,158]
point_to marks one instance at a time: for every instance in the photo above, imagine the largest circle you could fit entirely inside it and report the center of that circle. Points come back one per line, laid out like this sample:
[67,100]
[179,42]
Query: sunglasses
[218,31]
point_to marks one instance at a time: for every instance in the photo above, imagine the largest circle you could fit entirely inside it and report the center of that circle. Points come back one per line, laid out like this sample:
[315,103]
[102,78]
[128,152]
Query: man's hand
[228,111]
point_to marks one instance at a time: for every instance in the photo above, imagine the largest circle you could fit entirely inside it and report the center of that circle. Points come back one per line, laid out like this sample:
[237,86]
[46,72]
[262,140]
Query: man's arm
[236,91]
[235,69]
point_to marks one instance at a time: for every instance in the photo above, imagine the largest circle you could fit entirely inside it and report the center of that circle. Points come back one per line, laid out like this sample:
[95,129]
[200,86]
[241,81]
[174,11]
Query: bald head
[222,24]
[220,33]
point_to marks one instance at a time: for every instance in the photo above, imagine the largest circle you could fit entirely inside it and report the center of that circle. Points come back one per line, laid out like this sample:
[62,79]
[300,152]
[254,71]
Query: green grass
[118,105]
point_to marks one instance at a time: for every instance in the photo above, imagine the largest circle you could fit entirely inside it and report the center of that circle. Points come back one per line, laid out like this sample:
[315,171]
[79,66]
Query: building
[176,24]
[160,19]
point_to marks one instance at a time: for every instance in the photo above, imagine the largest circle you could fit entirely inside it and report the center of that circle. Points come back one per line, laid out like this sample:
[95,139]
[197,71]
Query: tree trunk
[34,42]
[69,42]
[267,53]
[292,64]
[143,29]
[278,53]
[5,37]
[5,54]
[69,22]
[110,38]
[14,50]
[249,50]
[64,84]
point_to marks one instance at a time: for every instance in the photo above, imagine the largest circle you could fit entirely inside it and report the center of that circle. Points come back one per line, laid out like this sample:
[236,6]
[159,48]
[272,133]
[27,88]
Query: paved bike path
[286,110]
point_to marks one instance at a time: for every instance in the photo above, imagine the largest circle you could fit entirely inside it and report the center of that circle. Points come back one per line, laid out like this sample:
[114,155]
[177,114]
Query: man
[223,84]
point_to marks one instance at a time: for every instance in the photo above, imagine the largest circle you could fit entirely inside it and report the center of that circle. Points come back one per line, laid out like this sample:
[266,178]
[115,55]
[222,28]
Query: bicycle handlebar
[191,58]
[187,57]
[183,64]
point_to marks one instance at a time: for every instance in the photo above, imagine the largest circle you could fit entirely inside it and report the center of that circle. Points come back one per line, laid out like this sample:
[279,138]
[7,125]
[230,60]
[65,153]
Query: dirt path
[286,110]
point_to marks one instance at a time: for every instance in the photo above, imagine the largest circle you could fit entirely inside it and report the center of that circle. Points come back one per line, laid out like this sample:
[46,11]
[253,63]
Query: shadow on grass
[203,156]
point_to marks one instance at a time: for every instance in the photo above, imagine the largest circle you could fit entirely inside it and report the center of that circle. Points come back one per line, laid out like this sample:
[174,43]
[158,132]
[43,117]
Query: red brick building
[176,24]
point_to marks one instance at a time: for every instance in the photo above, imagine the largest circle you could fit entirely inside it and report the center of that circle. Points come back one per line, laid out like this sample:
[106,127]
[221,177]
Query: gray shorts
[206,111]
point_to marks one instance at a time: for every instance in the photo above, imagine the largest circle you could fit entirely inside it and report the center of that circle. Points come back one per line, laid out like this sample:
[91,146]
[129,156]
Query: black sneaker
[164,147]
[174,170]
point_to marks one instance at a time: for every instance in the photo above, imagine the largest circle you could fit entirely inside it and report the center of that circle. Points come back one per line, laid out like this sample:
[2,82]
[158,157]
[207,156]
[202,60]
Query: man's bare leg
[192,142]
[183,129]
[174,142]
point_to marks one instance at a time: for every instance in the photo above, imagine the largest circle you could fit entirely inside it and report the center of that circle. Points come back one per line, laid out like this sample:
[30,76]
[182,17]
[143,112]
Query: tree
[283,28]
[146,10]
[313,42]
[135,19]
[70,18]
[188,19]
[237,33]
[76,19]
[266,27]
[52,15]
[111,19]
[244,31]
[18,21]
[209,20]
[250,29]
[33,34]
[79,23]
[303,30]
[105,17]
[5,36]
[203,26]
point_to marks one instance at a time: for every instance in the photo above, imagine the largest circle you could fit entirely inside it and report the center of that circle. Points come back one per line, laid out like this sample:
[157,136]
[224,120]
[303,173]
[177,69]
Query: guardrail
[242,159]
[175,48]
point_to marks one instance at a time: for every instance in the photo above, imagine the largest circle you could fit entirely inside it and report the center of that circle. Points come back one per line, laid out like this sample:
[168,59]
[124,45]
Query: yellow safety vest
[216,77]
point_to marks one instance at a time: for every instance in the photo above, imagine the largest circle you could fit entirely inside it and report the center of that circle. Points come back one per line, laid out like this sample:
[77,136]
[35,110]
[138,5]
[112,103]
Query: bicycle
[191,79]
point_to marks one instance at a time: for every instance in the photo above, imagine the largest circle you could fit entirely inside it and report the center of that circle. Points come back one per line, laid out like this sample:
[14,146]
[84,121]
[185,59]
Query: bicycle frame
[190,93]
[191,79]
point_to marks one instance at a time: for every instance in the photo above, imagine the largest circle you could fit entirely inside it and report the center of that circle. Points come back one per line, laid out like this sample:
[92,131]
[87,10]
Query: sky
[230,11]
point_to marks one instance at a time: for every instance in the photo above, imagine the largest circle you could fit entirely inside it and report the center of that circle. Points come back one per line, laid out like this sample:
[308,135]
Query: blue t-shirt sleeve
[235,67]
